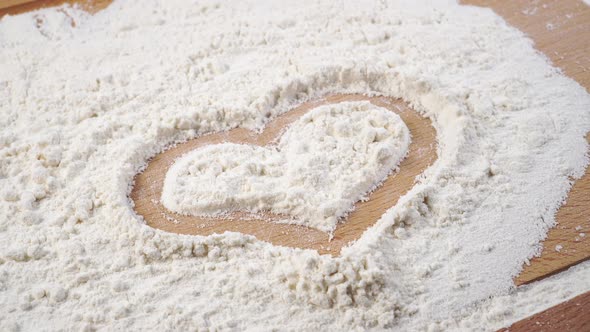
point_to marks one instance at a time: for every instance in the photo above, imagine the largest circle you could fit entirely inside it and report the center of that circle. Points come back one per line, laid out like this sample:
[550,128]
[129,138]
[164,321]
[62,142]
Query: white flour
[83,107]
[324,162]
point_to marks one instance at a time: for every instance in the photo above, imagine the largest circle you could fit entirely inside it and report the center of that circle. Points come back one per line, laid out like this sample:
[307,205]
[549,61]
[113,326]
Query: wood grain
[147,189]
[561,30]
[13,7]
[12,3]
[572,315]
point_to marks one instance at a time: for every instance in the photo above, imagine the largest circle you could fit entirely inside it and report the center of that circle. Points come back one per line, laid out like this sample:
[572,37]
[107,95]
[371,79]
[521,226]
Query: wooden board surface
[561,30]
[572,315]
[13,7]
[12,3]
[422,152]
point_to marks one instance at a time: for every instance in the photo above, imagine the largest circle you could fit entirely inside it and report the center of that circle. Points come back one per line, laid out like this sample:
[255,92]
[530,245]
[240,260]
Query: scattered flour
[326,161]
[84,106]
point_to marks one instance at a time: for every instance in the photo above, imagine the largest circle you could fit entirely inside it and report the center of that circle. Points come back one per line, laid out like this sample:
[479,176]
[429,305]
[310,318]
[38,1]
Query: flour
[326,161]
[85,105]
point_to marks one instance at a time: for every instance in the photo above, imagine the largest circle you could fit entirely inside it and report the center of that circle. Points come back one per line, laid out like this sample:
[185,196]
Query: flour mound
[326,161]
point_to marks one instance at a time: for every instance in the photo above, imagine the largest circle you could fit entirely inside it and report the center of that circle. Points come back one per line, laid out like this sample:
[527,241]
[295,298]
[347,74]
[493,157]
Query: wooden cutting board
[572,315]
[12,3]
[561,30]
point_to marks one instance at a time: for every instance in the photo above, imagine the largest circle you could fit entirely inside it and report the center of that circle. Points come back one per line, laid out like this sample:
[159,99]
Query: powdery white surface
[327,160]
[83,107]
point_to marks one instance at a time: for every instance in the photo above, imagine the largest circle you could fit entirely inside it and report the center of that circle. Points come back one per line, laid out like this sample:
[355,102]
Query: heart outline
[147,185]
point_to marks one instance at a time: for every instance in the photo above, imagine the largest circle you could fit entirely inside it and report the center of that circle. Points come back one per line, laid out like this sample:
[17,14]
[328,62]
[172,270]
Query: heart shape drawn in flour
[324,235]
[322,164]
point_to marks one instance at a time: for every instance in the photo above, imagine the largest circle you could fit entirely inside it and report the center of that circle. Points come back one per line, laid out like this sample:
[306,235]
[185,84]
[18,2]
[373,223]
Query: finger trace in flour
[327,160]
